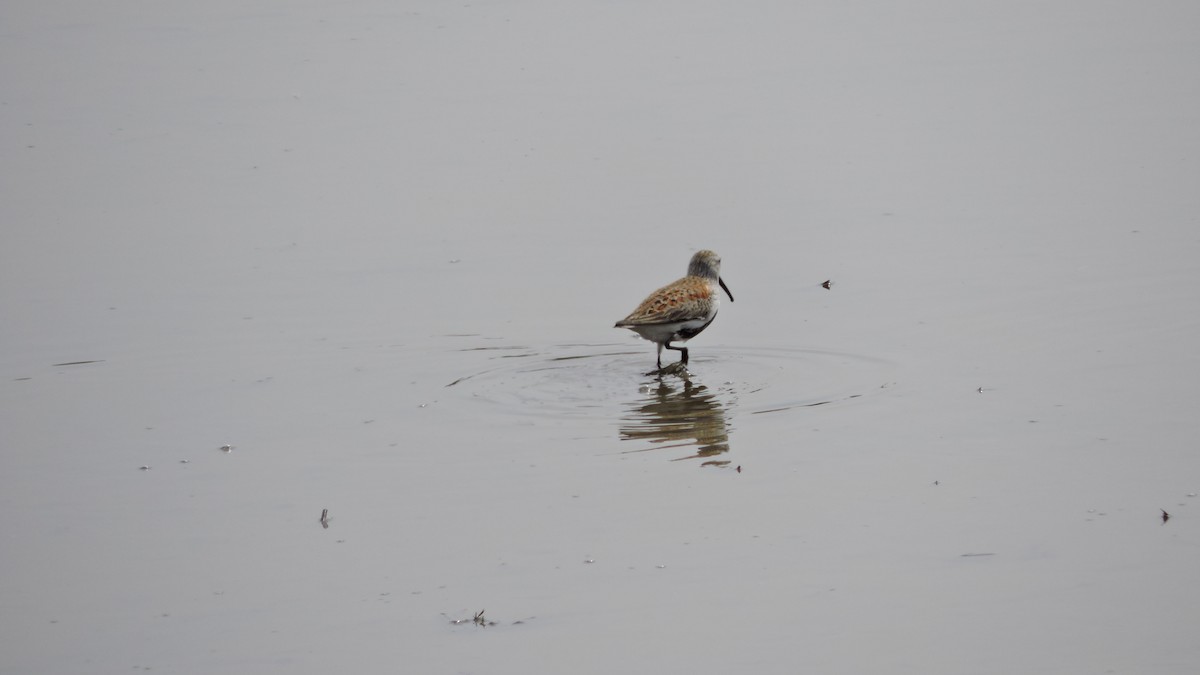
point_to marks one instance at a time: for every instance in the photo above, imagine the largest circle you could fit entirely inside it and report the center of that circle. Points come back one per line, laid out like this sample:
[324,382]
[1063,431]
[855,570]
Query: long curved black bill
[725,288]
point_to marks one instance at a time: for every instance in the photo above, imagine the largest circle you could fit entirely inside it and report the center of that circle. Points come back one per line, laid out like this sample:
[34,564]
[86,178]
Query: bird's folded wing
[668,305]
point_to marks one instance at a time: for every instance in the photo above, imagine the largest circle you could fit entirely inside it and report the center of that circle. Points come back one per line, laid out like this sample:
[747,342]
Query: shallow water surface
[689,411]
[307,361]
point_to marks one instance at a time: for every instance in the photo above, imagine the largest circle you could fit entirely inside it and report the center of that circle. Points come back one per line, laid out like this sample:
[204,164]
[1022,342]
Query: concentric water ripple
[690,412]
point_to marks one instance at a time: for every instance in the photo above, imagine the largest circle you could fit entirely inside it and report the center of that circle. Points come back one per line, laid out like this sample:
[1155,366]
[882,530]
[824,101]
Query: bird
[682,309]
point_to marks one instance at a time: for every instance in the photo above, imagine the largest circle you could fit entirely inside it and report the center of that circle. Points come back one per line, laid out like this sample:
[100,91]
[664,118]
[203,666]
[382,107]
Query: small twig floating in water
[325,518]
[479,620]
[1166,516]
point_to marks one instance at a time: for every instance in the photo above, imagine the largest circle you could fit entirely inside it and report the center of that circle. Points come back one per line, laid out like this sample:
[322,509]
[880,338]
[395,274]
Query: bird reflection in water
[683,415]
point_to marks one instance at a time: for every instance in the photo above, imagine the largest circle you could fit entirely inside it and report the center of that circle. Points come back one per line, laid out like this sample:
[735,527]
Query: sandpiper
[679,311]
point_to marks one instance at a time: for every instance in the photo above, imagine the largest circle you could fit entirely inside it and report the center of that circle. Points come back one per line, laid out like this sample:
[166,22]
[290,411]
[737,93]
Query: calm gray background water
[288,228]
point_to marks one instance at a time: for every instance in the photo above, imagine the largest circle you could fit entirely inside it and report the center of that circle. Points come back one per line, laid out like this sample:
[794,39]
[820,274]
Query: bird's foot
[678,368]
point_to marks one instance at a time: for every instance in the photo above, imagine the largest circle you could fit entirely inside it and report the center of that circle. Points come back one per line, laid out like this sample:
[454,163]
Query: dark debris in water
[78,363]
[483,622]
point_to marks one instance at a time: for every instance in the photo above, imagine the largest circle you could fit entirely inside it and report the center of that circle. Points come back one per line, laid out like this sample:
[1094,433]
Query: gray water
[264,262]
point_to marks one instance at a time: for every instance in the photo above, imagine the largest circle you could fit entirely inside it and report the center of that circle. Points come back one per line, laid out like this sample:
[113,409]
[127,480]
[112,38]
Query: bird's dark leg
[683,359]
[658,359]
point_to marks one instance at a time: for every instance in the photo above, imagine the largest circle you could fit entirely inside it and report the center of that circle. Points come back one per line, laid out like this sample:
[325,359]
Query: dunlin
[679,311]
